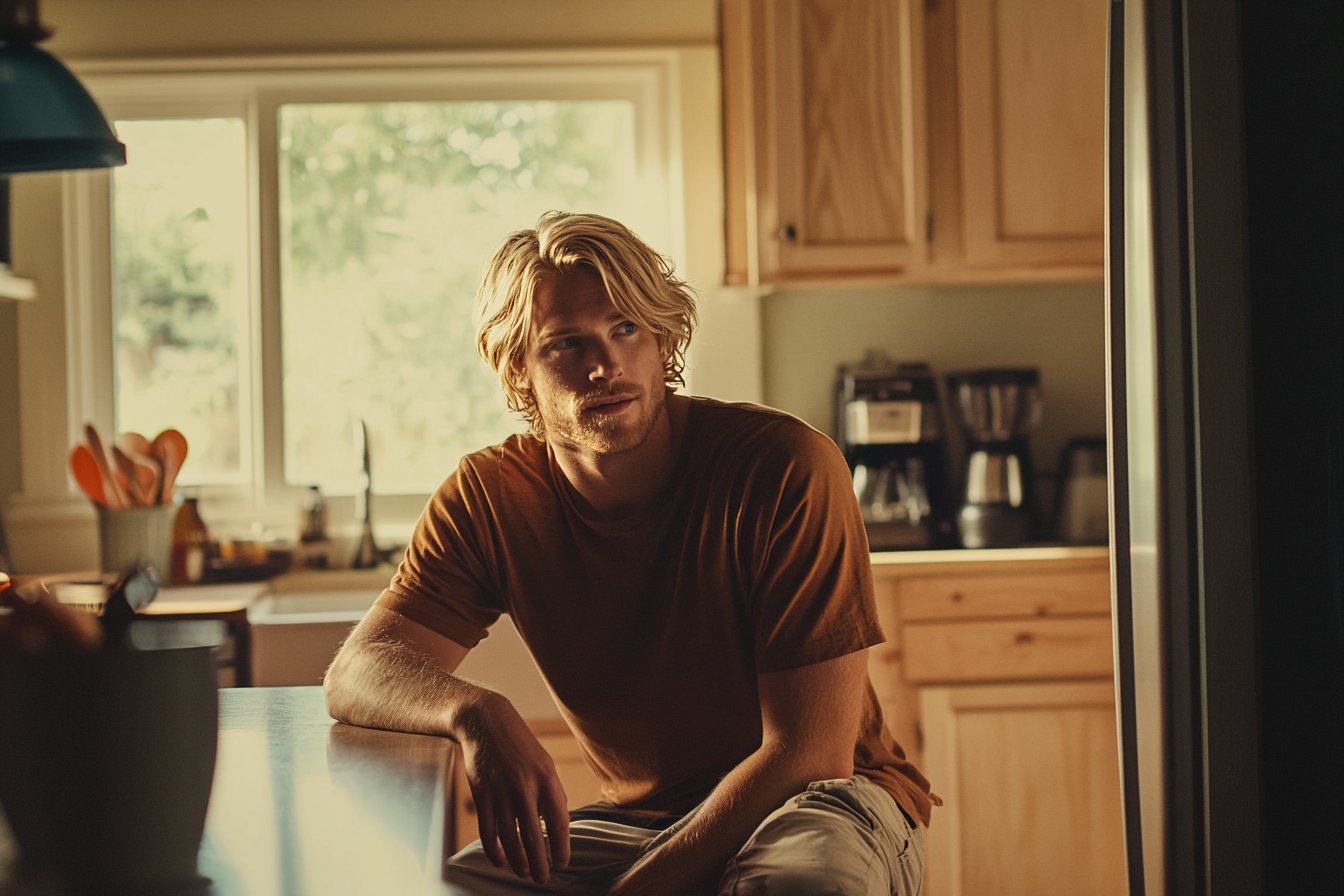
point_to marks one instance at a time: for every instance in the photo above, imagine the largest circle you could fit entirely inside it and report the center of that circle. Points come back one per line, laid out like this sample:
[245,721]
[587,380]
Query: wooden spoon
[133,443]
[87,474]
[169,448]
[115,499]
[141,475]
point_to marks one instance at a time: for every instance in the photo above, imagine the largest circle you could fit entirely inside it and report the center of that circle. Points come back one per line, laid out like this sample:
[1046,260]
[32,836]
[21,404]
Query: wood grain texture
[849,135]
[1008,650]
[854,185]
[1006,595]
[1029,775]
[1032,103]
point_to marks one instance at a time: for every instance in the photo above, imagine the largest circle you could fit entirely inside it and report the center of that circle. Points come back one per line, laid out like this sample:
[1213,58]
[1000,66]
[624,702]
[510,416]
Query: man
[692,579]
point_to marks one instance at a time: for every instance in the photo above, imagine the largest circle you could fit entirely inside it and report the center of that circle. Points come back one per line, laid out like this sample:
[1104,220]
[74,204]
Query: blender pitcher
[997,409]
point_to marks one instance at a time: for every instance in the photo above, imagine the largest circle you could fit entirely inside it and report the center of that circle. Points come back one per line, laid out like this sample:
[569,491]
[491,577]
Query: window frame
[254,90]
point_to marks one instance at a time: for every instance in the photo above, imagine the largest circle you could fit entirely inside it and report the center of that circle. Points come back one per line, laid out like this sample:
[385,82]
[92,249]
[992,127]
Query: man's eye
[567,342]
[627,328]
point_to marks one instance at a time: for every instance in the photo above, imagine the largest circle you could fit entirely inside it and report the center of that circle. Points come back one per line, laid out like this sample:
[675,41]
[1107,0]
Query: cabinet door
[1032,96]
[825,133]
[1030,779]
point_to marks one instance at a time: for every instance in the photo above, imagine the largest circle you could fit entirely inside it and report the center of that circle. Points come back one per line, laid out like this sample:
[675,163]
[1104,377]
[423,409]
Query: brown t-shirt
[650,631]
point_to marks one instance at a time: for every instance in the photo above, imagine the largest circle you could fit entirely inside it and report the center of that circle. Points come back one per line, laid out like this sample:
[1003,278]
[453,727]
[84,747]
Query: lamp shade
[48,121]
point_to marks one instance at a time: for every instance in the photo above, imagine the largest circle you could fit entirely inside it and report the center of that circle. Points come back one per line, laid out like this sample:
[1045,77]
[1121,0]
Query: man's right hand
[521,809]
[396,674]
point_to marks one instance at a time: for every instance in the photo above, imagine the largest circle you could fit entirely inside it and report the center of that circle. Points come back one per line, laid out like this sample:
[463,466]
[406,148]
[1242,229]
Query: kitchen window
[295,251]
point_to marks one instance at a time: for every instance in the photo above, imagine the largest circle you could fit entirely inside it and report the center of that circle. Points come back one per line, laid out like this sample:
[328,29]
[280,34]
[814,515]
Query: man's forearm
[693,860]
[809,718]
[388,684]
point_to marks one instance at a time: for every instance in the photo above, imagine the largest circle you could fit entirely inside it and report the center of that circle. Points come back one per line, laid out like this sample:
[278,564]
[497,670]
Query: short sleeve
[444,582]
[812,598]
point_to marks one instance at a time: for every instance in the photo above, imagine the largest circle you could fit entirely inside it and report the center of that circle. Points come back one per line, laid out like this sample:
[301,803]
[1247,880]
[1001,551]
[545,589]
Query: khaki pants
[844,836]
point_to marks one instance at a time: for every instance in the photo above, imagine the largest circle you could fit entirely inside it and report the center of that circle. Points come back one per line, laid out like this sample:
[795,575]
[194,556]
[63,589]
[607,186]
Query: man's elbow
[337,688]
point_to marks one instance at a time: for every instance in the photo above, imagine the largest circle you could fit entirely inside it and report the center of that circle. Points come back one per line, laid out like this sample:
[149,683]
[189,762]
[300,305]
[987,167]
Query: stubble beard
[608,437]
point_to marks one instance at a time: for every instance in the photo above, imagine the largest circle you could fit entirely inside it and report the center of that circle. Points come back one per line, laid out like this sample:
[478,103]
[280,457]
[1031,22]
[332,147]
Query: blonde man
[691,578]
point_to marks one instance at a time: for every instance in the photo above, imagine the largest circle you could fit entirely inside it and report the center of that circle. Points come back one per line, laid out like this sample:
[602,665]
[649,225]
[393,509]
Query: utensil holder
[137,536]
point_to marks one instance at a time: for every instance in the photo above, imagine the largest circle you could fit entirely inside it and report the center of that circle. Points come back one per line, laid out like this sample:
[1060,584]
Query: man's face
[597,375]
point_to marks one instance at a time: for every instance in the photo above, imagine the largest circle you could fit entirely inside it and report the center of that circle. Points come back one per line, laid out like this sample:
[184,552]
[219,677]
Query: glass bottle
[191,538]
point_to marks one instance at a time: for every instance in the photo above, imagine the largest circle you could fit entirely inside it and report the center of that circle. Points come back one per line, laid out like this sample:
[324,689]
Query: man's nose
[603,363]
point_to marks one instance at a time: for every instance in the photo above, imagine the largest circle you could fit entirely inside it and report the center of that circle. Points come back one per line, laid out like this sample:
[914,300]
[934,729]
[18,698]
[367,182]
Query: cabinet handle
[789,233]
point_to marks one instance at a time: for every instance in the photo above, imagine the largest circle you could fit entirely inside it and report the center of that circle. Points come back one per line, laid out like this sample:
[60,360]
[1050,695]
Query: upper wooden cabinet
[1032,87]
[922,140]
[825,133]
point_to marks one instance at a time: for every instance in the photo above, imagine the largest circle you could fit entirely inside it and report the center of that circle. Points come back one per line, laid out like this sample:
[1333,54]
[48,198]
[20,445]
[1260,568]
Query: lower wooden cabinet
[1029,775]
[997,674]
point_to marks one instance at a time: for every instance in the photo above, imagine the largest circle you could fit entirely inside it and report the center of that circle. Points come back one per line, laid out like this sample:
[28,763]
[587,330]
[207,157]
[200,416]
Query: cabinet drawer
[1008,650]
[1037,594]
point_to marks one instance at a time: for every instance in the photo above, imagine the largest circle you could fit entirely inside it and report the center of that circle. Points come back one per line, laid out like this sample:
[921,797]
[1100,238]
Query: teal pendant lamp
[48,121]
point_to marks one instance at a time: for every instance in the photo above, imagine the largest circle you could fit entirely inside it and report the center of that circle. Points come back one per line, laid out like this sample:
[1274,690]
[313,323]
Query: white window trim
[676,91]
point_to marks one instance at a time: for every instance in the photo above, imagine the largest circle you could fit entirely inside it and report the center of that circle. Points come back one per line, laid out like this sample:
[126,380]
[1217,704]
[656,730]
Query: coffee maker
[889,423]
[997,409]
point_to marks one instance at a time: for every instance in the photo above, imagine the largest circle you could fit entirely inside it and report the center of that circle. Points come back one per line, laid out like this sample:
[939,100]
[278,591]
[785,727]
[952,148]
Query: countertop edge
[988,555]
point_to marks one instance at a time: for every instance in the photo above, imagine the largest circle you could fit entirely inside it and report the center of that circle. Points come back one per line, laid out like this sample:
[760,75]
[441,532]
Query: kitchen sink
[295,635]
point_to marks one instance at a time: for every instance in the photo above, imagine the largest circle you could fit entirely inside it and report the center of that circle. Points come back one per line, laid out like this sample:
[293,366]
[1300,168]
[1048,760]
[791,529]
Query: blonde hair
[640,282]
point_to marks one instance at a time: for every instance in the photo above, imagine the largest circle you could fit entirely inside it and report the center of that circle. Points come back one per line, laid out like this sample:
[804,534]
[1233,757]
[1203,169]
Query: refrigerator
[1226,372]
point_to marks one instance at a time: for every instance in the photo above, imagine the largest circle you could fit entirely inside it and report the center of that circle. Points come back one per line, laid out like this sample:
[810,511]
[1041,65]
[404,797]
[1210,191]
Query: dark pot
[106,762]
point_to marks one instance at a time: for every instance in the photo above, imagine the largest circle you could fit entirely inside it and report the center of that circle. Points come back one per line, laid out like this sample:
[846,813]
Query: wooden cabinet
[1032,101]
[1029,775]
[824,123]
[914,140]
[1000,672]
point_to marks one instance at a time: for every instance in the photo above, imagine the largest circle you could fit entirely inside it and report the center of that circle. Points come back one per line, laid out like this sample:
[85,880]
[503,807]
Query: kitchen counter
[303,805]
[989,555]
[888,565]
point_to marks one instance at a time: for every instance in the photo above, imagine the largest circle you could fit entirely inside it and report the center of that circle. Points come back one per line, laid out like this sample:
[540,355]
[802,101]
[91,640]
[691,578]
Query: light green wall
[1056,327]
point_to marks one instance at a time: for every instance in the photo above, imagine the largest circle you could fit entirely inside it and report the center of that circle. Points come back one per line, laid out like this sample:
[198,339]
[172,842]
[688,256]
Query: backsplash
[1058,328]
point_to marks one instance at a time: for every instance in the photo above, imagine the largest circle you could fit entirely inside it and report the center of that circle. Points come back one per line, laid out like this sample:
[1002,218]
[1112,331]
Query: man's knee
[838,837]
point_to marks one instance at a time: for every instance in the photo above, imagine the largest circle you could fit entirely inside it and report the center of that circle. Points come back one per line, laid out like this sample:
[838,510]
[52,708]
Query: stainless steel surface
[997,412]
[993,478]
[1082,508]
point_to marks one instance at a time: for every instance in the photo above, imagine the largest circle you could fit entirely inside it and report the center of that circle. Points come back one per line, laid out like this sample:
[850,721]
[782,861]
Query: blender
[997,409]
